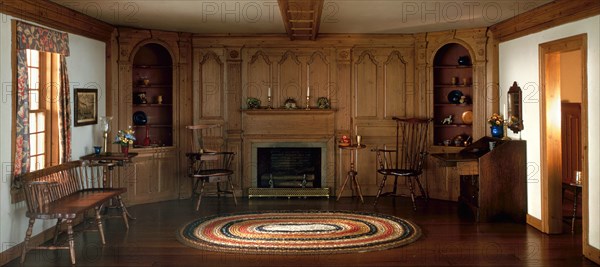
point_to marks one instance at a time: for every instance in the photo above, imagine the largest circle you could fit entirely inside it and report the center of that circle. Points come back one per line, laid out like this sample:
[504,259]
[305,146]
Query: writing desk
[493,183]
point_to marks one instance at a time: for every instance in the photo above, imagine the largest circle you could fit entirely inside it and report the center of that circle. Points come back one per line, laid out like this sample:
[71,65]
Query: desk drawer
[467,168]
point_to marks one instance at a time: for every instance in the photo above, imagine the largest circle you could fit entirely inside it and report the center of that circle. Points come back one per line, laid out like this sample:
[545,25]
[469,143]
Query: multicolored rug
[298,232]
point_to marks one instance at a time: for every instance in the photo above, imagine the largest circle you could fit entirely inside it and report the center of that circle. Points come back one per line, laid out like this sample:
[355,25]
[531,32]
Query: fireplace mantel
[295,123]
[275,127]
[264,111]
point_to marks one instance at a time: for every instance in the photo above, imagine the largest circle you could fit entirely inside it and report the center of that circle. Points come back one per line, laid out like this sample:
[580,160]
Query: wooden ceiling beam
[301,11]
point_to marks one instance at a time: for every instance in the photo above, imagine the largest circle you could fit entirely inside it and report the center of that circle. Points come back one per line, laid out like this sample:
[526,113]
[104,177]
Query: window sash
[44,84]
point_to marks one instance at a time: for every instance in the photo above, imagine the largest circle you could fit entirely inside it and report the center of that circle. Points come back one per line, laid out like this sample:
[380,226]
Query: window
[43,81]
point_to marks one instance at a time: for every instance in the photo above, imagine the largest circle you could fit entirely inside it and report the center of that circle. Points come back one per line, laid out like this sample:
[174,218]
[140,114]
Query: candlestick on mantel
[307,102]
[308,74]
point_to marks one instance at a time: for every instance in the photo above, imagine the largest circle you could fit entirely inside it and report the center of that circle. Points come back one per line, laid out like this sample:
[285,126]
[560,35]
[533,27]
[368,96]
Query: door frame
[550,126]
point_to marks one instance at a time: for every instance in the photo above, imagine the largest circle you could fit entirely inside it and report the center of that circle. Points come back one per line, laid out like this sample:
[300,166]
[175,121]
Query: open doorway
[572,153]
[563,128]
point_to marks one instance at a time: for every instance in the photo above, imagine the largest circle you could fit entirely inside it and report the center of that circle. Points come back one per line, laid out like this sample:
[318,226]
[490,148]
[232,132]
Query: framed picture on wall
[86,106]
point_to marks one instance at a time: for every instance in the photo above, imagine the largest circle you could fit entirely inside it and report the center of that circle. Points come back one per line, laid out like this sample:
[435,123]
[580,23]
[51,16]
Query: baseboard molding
[535,222]
[15,251]
[36,240]
[591,253]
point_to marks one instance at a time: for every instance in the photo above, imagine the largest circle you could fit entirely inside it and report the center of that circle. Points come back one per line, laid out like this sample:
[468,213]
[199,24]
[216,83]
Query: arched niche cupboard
[456,86]
[148,97]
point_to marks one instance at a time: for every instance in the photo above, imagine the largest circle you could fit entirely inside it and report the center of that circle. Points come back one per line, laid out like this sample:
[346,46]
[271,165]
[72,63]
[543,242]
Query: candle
[505,112]
[308,75]
[269,92]
[308,91]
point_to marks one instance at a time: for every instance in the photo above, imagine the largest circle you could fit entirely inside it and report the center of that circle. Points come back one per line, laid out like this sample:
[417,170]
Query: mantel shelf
[299,111]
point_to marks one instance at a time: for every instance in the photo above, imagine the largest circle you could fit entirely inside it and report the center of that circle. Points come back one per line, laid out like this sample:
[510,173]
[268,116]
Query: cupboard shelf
[152,105]
[451,105]
[153,86]
[152,66]
[446,70]
[153,126]
[453,67]
[452,125]
[452,86]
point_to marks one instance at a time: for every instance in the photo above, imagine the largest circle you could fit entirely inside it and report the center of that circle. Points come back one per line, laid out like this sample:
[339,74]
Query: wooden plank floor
[448,239]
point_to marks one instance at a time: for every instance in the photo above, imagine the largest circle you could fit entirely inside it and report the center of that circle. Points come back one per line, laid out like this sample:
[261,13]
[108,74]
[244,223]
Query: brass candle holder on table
[307,102]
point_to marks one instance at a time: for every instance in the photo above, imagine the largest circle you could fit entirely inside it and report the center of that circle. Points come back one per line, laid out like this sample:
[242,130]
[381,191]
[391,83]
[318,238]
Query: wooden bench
[63,192]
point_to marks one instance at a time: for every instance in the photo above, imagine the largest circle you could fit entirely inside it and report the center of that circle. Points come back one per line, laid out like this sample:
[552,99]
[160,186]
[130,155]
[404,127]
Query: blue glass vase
[497,131]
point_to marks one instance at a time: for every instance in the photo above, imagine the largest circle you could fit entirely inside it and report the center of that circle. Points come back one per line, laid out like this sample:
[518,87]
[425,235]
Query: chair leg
[200,195]
[56,230]
[27,237]
[71,240]
[218,189]
[381,186]
[394,191]
[232,190]
[423,192]
[123,211]
[99,224]
[412,192]
[195,183]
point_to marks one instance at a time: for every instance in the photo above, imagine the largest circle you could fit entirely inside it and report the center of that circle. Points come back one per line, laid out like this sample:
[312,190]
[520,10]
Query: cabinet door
[167,178]
[152,177]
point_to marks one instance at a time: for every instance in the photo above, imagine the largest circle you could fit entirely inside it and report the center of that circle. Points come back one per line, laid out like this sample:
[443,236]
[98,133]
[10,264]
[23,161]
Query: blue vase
[497,131]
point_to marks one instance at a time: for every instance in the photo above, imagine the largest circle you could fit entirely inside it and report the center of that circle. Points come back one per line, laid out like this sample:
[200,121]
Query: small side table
[352,172]
[108,161]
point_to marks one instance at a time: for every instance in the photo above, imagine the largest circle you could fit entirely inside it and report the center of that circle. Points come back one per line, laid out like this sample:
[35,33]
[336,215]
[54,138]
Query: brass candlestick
[505,137]
[105,124]
[307,102]
[269,102]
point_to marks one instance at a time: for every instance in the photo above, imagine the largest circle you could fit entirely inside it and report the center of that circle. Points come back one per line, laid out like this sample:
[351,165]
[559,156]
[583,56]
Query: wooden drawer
[467,168]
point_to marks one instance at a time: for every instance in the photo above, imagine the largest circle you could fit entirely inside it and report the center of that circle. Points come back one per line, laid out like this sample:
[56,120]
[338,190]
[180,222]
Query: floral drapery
[64,111]
[45,40]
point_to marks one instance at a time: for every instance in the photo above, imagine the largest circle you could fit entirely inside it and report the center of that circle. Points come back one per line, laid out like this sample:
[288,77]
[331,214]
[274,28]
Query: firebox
[289,167]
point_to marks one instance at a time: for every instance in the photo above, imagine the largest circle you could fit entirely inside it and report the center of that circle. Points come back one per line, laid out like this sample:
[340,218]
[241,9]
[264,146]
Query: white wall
[570,75]
[519,62]
[86,66]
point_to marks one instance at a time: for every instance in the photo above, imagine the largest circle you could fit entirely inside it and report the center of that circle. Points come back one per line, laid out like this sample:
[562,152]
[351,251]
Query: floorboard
[449,239]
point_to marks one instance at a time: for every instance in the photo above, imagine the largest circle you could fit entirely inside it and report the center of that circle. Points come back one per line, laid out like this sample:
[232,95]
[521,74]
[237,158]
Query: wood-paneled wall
[368,80]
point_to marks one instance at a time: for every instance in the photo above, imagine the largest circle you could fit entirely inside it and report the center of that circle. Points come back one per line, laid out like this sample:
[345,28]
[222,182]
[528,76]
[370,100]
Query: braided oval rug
[298,232]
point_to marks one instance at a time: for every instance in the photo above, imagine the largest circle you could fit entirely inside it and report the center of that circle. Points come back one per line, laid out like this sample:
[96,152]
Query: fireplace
[288,167]
[305,137]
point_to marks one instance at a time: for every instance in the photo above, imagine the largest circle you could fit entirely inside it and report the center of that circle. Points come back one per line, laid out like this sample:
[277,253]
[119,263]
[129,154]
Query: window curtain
[44,40]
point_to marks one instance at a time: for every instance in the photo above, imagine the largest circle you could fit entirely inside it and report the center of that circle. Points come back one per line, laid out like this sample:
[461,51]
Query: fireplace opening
[289,167]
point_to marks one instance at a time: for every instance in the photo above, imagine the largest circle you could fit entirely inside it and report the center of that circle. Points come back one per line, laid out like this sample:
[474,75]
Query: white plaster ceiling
[338,16]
